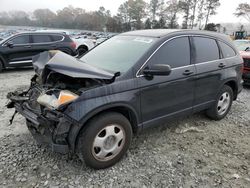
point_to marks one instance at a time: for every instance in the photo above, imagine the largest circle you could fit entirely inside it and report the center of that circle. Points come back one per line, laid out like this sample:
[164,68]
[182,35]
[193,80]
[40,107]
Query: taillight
[73,45]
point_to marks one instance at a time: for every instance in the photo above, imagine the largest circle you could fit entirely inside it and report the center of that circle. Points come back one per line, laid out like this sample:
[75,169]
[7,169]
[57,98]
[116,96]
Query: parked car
[100,40]
[242,45]
[246,70]
[92,106]
[18,50]
[244,48]
[83,44]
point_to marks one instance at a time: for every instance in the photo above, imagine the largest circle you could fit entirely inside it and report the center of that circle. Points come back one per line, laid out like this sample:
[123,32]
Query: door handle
[28,46]
[221,65]
[187,72]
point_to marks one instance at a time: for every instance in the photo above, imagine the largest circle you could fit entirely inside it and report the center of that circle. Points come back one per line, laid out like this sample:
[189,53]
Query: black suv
[18,50]
[93,105]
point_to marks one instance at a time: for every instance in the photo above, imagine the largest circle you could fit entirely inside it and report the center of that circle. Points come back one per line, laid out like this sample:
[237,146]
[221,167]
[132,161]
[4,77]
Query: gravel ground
[190,152]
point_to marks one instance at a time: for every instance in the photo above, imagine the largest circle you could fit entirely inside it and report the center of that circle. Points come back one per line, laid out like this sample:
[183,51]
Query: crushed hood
[65,64]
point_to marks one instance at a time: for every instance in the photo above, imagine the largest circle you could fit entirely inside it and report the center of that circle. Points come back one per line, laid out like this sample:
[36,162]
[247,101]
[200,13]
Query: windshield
[242,45]
[119,53]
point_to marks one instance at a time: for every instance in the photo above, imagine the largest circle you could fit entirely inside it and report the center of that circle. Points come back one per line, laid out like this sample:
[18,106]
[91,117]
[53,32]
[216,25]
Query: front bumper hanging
[49,128]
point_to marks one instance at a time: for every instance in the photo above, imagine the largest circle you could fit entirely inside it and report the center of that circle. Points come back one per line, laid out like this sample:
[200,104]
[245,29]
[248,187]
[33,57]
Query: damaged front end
[59,80]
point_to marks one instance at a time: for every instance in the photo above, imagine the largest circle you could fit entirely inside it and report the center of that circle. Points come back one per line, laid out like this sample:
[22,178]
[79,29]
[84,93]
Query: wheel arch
[85,46]
[234,86]
[125,109]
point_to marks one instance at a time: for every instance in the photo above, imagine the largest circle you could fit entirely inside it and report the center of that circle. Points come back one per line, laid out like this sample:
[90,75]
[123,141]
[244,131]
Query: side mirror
[158,69]
[247,49]
[10,44]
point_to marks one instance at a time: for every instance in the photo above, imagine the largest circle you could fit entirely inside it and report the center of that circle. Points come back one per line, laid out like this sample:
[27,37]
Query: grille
[246,63]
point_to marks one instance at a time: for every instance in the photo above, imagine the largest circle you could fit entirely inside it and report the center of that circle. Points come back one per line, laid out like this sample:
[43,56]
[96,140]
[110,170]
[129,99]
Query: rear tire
[105,140]
[222,105]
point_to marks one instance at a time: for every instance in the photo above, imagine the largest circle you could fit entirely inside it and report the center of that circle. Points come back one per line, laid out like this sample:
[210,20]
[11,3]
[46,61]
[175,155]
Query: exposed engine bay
[60,79]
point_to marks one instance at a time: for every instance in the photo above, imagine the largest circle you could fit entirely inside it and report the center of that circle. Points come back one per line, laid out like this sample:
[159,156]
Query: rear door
[210,71]
[41,43]
[164,97]
[20,54]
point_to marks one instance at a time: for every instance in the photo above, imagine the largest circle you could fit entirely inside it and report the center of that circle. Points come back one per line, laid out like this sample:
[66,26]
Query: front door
[20,52]
[164,97]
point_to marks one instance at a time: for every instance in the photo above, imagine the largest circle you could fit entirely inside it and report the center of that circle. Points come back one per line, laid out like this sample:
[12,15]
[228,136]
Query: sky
[224,15]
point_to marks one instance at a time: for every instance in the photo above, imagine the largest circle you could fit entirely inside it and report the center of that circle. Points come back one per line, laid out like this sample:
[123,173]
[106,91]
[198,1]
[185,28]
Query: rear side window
[41,38]
[175,53]
[56,38]
[206,49]
[24,39]
[227,51]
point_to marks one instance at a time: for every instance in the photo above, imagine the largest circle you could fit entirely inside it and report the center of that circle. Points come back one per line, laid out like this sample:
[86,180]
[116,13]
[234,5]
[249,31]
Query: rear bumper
[50,128]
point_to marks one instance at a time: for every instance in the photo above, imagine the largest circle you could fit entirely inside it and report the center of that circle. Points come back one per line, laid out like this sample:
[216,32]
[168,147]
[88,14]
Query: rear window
[41,38]
[206,49]
[56,38]
[227,51]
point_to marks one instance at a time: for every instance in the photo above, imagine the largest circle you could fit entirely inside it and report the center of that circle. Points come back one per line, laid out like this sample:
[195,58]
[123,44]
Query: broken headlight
[52,101]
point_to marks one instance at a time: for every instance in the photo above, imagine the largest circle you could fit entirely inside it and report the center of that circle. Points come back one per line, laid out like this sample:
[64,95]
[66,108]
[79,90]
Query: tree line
[132,14]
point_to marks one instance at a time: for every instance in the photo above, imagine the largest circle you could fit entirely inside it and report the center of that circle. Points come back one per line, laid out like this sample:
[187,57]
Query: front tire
[105,140]
[222,105]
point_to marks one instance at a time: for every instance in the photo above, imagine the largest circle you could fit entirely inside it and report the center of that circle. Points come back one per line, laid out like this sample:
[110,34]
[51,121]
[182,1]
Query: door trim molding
[17,62]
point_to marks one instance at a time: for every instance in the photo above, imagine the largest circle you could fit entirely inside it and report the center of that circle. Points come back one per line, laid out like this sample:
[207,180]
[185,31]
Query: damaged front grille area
[48,127]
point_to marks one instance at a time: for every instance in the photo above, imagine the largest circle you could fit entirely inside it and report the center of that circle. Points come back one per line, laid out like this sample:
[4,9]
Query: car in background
[83,45]
[18,50]
[83,42]
[246,68]
[242,45]
[100,40]
[244,48]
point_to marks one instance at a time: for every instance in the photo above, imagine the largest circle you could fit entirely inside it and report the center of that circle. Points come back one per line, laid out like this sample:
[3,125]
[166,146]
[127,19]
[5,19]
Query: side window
[227,51]
[175,53]
[24,39]
[206,49]
[56,38]
[41,38]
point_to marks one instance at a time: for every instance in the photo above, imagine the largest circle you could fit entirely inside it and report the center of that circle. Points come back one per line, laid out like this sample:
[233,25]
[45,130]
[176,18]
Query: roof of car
[151,32]
[41,32]
[164,32]
[29,33]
